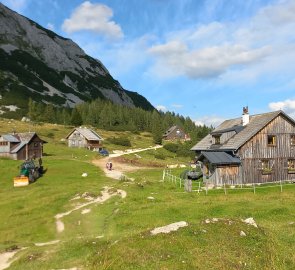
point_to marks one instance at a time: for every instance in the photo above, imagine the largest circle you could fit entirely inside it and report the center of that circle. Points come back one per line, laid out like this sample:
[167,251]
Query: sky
[205,59]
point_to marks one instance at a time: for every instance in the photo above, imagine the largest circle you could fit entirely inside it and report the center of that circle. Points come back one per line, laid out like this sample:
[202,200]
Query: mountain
[36,62]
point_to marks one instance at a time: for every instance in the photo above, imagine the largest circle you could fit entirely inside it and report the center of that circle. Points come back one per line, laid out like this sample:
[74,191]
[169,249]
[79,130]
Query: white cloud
[161,108]
[288,106]
[95,18]
[219,48]
[16,5]
[209,120]
[50,26]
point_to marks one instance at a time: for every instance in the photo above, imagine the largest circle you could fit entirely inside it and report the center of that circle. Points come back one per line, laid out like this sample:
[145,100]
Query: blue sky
[205,59]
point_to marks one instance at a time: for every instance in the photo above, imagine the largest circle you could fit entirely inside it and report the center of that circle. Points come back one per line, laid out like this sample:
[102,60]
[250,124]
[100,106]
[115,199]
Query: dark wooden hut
[175,133]
[21,146]
[251,149]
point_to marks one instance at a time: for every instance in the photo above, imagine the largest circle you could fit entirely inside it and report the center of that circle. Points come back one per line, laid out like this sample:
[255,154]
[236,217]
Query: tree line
[106,115]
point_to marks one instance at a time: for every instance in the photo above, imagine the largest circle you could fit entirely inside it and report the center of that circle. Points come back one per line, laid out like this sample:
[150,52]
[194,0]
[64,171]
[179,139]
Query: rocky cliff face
[37,63]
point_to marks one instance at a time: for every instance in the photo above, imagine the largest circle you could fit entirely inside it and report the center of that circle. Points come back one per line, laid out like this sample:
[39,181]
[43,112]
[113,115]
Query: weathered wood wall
[258,149]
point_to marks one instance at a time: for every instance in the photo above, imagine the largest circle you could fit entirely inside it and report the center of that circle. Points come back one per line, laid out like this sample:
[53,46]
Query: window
[266,166]
[3,143]
[217,139]
[291,165]
[271,140]
[292,139]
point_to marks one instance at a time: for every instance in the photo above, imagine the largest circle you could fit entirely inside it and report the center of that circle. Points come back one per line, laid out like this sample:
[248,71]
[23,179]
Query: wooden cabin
[175,133]
[251,149]
[21,146]
[84,138]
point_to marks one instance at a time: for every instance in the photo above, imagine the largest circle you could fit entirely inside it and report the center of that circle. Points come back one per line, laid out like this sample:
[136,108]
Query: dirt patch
[6,258]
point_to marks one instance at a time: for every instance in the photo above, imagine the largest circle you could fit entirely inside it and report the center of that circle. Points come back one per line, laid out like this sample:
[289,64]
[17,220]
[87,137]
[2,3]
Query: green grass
[27,217]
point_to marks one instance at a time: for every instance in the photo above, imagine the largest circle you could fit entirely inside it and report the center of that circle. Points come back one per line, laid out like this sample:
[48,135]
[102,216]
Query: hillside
[108,223]
[38,63]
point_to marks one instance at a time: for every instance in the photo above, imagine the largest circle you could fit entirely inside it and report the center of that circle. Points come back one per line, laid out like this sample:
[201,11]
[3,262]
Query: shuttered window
[292,139]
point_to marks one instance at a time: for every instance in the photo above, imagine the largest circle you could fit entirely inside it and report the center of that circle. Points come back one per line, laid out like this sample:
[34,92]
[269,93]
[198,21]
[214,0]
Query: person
[110,166]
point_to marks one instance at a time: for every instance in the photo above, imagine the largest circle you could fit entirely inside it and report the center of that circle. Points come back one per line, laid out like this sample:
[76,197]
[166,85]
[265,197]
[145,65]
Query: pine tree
[76,118]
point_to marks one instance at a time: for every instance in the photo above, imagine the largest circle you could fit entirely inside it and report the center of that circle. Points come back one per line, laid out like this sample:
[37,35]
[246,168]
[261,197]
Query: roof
[25,137]
[170,130]
[219,158]
[10,138]
[89,134]
[256,123]
[18,147]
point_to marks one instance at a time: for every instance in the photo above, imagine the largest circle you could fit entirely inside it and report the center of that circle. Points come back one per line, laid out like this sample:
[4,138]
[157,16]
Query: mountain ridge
[38,63]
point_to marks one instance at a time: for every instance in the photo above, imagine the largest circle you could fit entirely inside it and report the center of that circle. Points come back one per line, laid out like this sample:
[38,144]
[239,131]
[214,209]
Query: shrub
[119,141]
[159,156]
[172,147]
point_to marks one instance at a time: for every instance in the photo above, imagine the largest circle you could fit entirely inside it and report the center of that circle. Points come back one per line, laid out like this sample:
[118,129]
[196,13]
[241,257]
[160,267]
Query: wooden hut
[175,133]
[251,149]
[21,146]
[84,137]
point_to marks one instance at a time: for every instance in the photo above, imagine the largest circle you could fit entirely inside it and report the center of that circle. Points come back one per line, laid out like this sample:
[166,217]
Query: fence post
[164,172]
[281,185]
[224,188]
[254,188]
[180,182]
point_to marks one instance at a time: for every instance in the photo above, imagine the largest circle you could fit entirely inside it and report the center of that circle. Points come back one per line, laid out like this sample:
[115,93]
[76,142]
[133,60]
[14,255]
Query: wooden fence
[198,186]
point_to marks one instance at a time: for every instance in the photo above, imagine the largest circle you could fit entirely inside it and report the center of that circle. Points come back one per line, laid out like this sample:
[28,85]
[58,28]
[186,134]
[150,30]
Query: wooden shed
[21,146]
[84,138]
[175,133]
[251,149]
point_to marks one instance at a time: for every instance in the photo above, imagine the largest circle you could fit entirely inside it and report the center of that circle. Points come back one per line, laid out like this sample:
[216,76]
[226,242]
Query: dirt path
[106,194]
[6,259]
[119,168]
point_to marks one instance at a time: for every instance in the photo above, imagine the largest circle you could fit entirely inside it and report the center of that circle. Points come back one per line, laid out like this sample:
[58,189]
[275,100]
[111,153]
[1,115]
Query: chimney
[245,116]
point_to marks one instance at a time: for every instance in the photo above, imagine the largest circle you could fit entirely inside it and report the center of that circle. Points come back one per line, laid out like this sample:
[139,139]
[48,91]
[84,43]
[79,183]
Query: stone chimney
[245,116]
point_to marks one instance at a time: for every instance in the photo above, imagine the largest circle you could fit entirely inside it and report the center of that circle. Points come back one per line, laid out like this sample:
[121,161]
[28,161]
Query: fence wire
[199,185]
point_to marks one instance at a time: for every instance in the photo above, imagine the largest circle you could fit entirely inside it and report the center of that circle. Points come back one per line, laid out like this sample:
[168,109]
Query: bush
[159,156]
[172,147]
[119,141]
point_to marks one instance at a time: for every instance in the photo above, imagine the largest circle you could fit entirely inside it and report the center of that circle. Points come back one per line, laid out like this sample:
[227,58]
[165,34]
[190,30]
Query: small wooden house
[21,146]
[251,149]
[175,133]
[84,137]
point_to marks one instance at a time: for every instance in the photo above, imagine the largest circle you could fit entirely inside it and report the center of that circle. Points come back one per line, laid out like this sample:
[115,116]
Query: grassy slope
[27,216]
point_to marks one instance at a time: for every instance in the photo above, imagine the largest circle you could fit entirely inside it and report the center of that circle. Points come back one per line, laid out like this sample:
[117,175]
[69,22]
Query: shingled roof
[243,134]
[87,133]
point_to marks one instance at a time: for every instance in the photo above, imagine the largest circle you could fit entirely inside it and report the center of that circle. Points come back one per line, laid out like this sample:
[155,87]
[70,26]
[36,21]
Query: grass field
[116,234]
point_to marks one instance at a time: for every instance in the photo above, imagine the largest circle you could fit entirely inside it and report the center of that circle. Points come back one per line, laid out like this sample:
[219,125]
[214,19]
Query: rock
[26,119]
[242,233]
[85,211]
[250,221]
[168,228]
[151,198]
[84,174]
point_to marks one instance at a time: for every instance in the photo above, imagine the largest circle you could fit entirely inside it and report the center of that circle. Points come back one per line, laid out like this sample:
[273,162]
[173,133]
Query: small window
[291,165]
[36,144]
[3,143]
[217,139]
[271,140]
[292,139]
[266,166]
